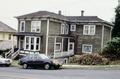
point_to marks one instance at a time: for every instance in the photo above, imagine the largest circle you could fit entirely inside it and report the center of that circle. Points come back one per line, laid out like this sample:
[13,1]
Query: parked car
[5,61]
[39,60]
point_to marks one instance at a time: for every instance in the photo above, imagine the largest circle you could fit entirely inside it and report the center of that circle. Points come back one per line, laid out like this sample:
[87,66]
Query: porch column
[102,40]
[47,35]
[12,40]
[62,46]
[54,46]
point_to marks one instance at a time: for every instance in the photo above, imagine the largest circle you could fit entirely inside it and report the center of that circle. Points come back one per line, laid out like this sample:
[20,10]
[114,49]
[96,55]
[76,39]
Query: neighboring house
[58,35]
[6,36]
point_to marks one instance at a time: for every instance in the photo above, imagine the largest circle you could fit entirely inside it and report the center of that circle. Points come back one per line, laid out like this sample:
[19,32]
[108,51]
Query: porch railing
[63,54]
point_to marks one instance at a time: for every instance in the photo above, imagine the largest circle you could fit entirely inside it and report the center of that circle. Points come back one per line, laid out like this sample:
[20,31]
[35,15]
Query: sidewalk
[116,67]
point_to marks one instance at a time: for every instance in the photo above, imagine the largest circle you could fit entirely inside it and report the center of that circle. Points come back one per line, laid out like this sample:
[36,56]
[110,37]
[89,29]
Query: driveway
[18,73]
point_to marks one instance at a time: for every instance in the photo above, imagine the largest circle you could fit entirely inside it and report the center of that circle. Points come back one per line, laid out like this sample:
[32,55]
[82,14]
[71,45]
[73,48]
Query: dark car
[39,60]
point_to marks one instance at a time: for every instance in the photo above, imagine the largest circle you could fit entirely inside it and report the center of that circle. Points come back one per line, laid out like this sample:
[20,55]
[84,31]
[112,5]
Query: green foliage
[93,59]
[116,28]
[112,49]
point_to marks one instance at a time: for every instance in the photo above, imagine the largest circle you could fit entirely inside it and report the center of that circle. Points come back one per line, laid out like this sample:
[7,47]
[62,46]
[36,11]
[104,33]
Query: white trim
[73,27]
[35,41]
[83,51]
[47,35]
[89,29]
[55,47]
[21,26]
[102,39]
[35,29]
[71,43]
[62,28]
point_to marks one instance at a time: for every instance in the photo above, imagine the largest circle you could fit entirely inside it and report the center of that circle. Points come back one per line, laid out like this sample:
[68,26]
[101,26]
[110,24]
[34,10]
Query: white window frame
[71,43]
[35,40]
[21,26]
[64,28]
[89,30]
[58,49]
[73,27]
[83,50]
[33,27]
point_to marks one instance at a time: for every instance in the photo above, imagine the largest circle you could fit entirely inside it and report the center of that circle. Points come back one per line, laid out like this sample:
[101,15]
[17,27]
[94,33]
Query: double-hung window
[72,27]
[36,26]
[86,48]
[64,28]
[89,30]
[57,47]
[22,26]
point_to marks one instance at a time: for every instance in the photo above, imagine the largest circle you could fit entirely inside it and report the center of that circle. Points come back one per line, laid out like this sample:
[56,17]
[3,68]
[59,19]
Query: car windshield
[43,56]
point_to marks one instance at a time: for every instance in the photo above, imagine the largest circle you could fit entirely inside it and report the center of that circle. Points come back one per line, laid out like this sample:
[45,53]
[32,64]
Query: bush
[74,59]
[112,49]
[92,59]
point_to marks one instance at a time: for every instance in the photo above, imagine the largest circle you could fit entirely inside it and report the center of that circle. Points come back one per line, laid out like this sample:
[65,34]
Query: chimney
[82,13]
[59,12]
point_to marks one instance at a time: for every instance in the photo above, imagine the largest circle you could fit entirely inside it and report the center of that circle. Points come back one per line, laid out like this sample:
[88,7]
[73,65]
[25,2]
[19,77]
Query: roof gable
[5,28]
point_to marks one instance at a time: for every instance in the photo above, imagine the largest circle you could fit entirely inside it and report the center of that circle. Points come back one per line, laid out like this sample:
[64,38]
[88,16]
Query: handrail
[8,54]
[15,54]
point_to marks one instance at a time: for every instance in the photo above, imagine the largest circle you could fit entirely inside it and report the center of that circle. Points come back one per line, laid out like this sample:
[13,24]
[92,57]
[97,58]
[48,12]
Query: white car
[5,61]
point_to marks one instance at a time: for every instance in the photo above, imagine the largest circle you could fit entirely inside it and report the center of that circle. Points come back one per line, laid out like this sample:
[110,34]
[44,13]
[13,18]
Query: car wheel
[47,66]
[25,66]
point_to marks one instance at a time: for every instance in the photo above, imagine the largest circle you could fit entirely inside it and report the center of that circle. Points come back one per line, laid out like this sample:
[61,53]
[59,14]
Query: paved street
[18,73]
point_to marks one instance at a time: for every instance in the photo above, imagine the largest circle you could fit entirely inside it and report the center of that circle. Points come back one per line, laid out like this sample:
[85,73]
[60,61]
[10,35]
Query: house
[59,36]
[6,36]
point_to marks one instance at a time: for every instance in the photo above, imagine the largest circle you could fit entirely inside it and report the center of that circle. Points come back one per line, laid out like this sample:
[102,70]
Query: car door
[38,60]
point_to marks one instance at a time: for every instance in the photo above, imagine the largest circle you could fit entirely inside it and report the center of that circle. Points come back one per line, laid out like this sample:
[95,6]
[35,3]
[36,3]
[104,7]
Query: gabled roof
[44,14]
[87,19]
[5,28]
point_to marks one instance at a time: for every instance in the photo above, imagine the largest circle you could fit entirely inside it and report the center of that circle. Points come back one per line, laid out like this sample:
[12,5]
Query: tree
[116,28]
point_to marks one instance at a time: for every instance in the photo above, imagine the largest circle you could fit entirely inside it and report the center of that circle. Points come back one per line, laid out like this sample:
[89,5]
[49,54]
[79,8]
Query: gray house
[59,36]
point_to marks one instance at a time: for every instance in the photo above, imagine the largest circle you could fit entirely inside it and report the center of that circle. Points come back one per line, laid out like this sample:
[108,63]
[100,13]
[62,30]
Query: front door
[21,43]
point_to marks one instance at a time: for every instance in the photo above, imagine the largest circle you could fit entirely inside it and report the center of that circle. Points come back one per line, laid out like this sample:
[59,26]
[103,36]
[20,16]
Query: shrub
[74,59]
[112,49]
[92,59]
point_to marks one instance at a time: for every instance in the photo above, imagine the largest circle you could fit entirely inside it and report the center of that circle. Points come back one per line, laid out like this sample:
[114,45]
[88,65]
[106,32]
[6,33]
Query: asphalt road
[18,73]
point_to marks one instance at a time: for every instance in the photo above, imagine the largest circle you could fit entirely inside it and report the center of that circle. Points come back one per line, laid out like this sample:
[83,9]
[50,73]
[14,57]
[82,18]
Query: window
[22,26]
[58,47]
[71,46]
[9,38]
[89,30]
[32,43]
[86,48]
[72,27]
[36,26]
[64,28]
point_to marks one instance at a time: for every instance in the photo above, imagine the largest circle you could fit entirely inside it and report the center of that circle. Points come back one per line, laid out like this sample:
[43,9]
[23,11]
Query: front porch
[59,46]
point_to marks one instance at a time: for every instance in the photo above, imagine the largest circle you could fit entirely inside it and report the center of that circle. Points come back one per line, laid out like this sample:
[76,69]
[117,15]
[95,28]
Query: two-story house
[58,35]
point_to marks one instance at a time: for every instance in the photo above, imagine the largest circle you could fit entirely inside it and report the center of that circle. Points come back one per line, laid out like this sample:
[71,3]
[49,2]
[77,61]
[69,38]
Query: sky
[104,9]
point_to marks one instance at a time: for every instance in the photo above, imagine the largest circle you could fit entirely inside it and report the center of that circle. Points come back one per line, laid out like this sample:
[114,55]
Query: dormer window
[89,30]
[36,26]
[72,27]
[22,26]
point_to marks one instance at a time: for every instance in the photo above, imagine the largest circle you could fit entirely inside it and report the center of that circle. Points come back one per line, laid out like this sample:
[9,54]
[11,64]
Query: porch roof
[27,34]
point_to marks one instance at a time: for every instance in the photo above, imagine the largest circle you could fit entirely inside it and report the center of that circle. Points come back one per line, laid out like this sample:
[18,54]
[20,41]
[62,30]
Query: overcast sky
[101,8]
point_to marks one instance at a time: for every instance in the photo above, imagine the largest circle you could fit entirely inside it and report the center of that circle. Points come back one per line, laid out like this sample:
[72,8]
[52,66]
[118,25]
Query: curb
[91,67]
